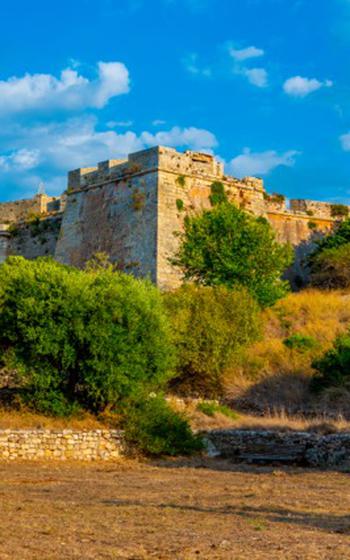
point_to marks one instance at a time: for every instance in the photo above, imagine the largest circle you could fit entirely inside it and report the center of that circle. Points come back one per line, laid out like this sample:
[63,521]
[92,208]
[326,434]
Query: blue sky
[263,84]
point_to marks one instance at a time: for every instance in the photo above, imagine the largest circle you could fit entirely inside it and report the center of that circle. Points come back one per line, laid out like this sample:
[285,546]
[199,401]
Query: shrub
[210,408]
[312,225]
[179,204]
[333,369]
[92,337]
[300,342]
[181,180]
[138,200]
[275,198]
[211,326]
[155,429]
[339,210]
[330,268]
[339,236]
[230,247]
[218,194]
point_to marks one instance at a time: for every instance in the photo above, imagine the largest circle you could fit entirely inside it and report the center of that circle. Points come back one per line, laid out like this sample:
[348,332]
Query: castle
[131,209]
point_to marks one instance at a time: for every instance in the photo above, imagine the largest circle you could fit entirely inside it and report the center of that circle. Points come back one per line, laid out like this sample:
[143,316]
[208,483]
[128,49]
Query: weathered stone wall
[32,239]
[184,188]
[13,212]
[112,209]
[303,448]
[319,209]
[60,445]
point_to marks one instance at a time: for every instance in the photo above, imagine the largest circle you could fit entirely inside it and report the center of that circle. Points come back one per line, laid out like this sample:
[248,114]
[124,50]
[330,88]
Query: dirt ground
[208,509]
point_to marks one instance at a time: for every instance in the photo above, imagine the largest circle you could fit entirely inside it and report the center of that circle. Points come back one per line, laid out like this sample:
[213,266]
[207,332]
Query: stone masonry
[286,447]
[60,445]
[132,210]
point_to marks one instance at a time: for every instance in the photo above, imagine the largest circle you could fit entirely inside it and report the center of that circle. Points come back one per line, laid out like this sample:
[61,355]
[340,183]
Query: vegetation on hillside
[210,326]
[102,342]
[329,263]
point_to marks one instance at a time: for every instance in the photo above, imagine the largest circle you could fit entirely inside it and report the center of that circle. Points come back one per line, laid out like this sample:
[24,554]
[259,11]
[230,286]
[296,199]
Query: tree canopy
[227,246]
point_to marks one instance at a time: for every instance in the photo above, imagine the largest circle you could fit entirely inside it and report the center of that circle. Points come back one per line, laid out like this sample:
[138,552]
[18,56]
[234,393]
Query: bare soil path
[207,509]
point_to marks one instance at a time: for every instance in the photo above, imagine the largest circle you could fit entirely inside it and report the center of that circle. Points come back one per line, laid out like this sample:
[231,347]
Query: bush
[211,408]
[301,342]
[333,369]
[339,236]
[218,195]
[91,337]
[227,246]
[339,210]
[330,268]
[211,325]
[155,429]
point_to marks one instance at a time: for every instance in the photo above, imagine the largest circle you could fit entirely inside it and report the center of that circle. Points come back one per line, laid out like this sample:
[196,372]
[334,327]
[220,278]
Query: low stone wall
[60,445]
[300,448]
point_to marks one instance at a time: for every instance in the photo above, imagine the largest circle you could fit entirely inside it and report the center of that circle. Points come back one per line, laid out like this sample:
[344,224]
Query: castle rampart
[132,209]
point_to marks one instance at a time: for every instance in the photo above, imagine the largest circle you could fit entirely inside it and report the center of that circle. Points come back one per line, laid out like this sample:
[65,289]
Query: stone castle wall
[133,209]
[307,449]
[61,445]
[113,209]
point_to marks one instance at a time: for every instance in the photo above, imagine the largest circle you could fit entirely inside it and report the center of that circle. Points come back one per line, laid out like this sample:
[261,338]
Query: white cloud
[256,76]
[122,124]
[245,54]
[192,66]
[158,122]
[197,139]
[345,141]
[19,160]
[298,86]
[260,163]
[69,91]
[55,148]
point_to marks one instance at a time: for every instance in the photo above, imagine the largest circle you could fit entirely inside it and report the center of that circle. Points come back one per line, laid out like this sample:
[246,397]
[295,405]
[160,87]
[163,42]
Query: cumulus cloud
[195,138]
[245,54]
[345,141]
[256,76]
[260,163]
[55,148]
[298,86]
[70,91]
[19,160]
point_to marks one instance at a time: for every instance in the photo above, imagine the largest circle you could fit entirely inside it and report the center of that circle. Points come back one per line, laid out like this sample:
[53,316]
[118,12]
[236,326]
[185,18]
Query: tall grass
[275,372]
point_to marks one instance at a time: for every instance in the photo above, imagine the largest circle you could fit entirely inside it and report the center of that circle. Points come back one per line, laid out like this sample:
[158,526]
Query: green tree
[210,328]
[93,337]
[339,236]
[227,246]
[329,263]
[333,369]
[330,268]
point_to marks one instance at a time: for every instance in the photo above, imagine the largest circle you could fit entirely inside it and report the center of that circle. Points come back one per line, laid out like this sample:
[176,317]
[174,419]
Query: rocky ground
[199,508]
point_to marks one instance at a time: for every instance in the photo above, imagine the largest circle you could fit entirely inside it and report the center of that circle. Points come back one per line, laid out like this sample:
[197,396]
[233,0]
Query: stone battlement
[145,161]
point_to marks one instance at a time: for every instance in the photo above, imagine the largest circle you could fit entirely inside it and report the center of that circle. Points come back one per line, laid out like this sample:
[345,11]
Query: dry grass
[272,376]
[19,420]
[278,420]
[207,509]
